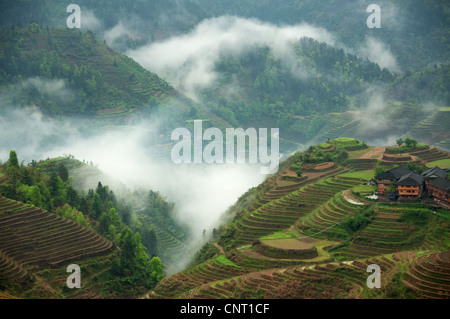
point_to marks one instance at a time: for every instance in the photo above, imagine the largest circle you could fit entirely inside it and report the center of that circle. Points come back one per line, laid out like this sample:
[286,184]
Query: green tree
[400,142]
[408,142]
[13,160]
[215,233]
[63,173]
[96,207]
[379,169]
[127,252]
[157,268]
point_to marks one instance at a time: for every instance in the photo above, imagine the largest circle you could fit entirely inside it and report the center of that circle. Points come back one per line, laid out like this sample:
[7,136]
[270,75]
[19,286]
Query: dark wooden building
[410,186]
[384,180]
[439,189]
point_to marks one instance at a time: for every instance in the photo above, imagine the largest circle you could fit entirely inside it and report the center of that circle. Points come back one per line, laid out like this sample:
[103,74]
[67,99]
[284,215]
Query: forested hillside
[259,87]
[129,244]
[93,76]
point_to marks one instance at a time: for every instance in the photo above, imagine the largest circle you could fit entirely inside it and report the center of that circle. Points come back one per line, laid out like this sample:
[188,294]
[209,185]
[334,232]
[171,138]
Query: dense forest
[47,184]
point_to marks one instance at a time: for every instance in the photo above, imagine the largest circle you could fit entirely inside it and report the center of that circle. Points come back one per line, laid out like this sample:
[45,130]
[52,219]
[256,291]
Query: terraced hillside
[33,238]
[434,128]
[313,237]
[429,275]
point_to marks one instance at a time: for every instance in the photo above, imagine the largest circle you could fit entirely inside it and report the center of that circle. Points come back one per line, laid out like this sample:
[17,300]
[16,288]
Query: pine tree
[13,160]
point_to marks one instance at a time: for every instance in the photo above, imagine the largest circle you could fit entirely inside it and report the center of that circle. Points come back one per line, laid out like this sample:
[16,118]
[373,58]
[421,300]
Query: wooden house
[410,186]
[384,180]
[439,188]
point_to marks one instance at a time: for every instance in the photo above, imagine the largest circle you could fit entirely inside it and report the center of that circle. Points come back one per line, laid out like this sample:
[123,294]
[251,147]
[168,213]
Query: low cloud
[90,21]
[188,61]
[377,51]
[202,193]
[56,89]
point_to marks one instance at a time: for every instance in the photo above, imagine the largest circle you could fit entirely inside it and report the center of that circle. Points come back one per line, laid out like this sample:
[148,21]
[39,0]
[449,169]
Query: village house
[410,186]
[439,189]
[384,180]
[433,173]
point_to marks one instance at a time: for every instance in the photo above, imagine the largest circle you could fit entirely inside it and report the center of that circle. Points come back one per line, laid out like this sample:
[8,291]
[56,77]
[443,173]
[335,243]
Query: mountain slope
[97,78]
[313,237]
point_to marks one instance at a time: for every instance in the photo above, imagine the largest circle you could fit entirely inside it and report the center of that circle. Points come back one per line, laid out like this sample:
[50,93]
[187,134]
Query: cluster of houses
[410,185]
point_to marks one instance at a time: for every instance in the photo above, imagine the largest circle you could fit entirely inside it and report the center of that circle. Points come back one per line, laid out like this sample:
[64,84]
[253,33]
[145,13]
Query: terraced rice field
[348,278]
[429,275]
[324,221]
[385,234]
[30,236]
[432,154]
[435,125]
[210,270]
[286,210]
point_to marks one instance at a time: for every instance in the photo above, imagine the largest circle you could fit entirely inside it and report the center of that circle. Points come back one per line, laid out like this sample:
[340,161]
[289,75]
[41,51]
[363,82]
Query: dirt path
[222,251]
[377,151]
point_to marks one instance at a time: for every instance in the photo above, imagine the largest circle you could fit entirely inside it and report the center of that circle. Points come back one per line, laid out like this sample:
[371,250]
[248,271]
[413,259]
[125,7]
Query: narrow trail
[222,251]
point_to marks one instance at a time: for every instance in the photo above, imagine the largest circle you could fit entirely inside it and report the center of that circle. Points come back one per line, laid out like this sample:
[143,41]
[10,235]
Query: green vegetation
[411,145]
[364,190]
[365,175]
[137,267]
[324,146]
[322,93]
[444,163]
[357,222]
[222,259]
[85,63]
[279,235]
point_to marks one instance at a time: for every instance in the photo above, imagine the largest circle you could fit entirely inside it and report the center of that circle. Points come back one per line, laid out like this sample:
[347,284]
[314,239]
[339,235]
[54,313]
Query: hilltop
[309,231]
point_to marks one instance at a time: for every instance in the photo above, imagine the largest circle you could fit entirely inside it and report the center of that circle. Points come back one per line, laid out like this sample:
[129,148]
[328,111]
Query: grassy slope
[445,163]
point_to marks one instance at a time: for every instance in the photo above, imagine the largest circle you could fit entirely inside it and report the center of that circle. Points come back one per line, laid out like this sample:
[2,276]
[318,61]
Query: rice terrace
[296,238]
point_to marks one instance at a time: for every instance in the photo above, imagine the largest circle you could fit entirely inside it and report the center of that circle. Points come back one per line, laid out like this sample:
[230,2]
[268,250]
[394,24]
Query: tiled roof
[441,183]
[411,179]
[439,172]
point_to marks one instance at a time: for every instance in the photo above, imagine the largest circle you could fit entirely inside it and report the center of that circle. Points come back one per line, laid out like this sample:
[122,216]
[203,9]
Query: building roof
[441,183]
[435,172]
[395,173]
[411,179]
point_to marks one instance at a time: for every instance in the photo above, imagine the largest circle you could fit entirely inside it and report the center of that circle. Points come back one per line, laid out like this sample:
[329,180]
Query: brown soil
[378,151]
[324,166]
[290,243]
